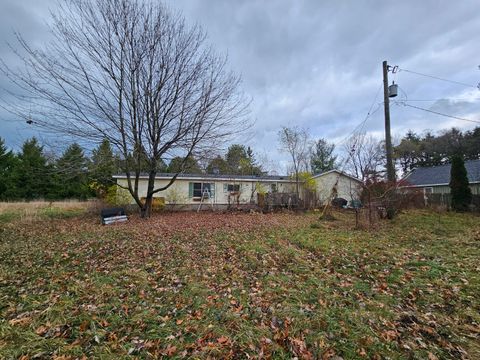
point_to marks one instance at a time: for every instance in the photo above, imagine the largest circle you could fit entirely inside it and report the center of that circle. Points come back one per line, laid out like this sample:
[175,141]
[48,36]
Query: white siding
[181,188]
[347,187]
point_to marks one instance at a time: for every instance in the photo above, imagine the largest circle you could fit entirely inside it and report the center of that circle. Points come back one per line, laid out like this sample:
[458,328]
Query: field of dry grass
[34,210]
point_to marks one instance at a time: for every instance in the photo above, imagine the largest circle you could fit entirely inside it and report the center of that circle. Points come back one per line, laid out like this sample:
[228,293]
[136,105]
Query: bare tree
[134,73]
[365,157]
[295,142]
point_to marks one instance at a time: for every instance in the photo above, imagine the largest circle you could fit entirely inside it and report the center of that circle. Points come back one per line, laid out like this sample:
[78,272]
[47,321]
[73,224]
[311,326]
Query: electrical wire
[432,100]
[441,79]
[437,113]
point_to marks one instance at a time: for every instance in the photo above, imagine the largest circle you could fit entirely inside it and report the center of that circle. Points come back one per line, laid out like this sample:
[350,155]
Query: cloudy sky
[317,64]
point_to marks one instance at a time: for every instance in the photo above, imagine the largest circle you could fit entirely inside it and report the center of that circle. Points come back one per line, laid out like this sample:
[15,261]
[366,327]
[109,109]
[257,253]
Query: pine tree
[218,164]
[322,158]
[459,185]
[241,161]
[71,170]
[32,175]
[103,165]
[7,164]
[190,165]
[235,154]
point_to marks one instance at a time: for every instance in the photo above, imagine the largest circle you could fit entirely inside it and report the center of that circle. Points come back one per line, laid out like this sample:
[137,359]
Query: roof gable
[338,172]
[440,175]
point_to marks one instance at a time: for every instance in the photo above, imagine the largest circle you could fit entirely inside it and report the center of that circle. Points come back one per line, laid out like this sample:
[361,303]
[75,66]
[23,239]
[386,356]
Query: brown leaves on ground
[213,285]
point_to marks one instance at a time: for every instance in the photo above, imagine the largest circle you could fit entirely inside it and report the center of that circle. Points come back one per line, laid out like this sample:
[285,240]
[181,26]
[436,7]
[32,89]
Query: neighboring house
[190,190]
[436,179]
[346,186]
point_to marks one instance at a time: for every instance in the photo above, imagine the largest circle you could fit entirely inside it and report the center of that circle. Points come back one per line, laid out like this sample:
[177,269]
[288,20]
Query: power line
[442,79]
[360,126]
[432,100]
[438,113]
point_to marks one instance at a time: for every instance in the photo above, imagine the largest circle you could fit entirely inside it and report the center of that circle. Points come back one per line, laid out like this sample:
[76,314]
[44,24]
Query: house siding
[347,187]
[445,189]
[181,187]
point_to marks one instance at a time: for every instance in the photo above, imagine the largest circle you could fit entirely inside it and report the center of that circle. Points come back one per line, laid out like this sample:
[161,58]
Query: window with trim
[428,190]
[273,187]
[199,190]
[231,187]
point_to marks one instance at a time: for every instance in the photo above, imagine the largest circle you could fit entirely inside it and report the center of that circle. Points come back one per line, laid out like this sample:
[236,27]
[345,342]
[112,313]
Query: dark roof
[215,176]
[440,175]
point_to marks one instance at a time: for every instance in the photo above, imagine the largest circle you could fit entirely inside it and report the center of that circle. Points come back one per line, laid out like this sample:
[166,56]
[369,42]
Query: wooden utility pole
[388,136]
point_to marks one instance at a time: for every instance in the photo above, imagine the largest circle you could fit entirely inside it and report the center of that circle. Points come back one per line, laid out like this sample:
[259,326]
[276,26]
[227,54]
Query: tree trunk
[146,209]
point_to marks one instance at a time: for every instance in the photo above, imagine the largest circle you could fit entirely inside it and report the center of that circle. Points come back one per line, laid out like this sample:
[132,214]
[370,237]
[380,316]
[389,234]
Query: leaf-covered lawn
[241,285]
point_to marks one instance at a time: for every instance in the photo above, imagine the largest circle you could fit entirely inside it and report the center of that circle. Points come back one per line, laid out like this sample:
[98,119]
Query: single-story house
[436,179]
[189,190]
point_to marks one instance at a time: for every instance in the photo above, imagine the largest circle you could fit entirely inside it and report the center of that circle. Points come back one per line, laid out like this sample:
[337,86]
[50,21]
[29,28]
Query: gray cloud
[318,64]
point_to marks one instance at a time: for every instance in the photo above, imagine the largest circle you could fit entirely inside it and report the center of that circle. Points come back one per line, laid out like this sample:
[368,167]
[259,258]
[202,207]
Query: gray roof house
[436,179]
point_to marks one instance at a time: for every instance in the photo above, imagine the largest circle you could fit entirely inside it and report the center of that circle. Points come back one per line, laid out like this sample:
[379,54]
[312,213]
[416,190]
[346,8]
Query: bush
[117,196]
[175,197]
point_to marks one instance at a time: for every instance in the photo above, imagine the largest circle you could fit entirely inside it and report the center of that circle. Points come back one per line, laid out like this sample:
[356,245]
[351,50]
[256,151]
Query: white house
[189,190]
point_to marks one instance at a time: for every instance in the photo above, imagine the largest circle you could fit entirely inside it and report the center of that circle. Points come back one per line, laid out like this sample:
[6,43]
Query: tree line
[363,155]
[430,149]
[33,173]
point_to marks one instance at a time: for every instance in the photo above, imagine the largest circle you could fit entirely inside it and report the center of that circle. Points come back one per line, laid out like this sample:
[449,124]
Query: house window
[198,190]
[428,190]
[231,187]
[273,187]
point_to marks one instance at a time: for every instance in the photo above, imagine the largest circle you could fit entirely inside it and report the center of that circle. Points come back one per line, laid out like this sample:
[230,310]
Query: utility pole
[388,136]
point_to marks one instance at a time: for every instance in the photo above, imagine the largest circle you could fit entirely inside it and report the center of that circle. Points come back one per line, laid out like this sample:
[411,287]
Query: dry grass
[34,210]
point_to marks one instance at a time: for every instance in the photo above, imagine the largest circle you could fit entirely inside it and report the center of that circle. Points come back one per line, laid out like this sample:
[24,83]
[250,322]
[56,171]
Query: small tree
[459,186]
[294,141]
[365,157]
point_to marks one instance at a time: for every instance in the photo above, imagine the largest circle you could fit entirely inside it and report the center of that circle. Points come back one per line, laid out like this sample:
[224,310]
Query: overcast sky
[317,64]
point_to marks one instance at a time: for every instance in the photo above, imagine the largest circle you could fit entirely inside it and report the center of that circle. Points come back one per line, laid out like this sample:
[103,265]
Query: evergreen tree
[459,185]
[322,158]
[7,164]
[241,161]
[71,171]
[235,154]
[103,164]
[249,166]
[219,164]
[32,175]
[190,166]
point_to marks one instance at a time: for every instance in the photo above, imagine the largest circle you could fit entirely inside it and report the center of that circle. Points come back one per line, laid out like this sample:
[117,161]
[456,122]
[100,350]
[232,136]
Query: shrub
[115,195]
[175,197]
[459,186]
